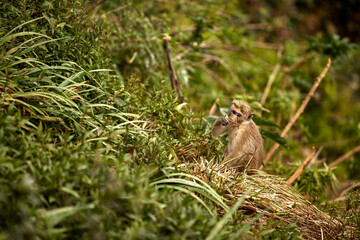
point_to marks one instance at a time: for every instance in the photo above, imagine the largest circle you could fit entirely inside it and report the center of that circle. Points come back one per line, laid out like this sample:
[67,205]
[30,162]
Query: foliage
[348,211]
[93,143]
[62,126]
[332,46]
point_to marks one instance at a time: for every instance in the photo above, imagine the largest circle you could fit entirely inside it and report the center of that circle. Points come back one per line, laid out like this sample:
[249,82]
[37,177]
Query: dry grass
[270,194]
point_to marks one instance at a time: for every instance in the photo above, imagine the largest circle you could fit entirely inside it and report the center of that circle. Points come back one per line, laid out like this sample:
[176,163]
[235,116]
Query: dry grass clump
[270,195]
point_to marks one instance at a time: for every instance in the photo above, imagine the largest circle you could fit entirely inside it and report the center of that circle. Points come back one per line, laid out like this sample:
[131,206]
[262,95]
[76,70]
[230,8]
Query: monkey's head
[240,111]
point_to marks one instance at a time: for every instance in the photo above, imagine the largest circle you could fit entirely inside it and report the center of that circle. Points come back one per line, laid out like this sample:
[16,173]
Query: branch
[213,107]
[272,77]
[344,157]
[175,84]
[298,112]
[212,74]
[301,168]
[270,82]
[297,64]
[114,10]
[342,195]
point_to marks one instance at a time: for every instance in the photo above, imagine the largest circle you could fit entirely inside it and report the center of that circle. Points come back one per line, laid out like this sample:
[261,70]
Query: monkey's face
[239,111]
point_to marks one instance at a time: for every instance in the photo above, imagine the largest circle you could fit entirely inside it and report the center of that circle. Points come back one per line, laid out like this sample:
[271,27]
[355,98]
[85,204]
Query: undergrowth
[93,142]
[78,154]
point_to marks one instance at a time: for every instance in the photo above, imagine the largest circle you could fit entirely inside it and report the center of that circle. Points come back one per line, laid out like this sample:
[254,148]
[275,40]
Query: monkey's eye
[233,112]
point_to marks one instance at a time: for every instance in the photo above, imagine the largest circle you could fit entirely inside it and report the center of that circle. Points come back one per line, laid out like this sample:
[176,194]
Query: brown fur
[245,148]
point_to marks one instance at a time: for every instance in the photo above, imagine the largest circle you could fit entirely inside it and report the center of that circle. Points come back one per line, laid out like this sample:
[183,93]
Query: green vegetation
[94,143]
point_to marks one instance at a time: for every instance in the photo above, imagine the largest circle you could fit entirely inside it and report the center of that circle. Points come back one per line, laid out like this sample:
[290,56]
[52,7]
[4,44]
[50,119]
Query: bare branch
[212,74]
[298,172]
[213,107]
[298,112]
[270,82]
[175,84]
[297,64]
[342,195]
[272,76]
[344,157]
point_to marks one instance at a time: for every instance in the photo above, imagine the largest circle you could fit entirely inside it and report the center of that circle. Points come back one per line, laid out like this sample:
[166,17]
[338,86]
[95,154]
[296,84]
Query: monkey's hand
[223,121]
[220,126]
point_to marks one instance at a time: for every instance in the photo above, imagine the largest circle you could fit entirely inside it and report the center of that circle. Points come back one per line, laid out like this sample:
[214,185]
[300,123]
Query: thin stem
[345,156]
[298,172]
[272,77]
[175,84]
[213,107]
[298,112]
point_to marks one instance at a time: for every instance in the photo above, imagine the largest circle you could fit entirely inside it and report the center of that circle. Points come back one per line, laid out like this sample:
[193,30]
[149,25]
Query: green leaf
[218,227]
[247,225]
[264,122]
[274,136]
[21,25]
[258,106]
[61,25]
[180,106]
[266,232]
[8,38]
[55,216]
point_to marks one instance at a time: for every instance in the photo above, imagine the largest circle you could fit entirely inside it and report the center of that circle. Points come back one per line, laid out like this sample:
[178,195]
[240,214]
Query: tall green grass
[66,170]
[90,150]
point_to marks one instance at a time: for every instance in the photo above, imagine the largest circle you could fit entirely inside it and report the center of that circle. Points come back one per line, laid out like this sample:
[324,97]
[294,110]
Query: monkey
[245,149]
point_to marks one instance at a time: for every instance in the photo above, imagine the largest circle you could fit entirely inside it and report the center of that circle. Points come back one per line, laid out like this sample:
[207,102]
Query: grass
[268,197]
[88,151]
[63,167]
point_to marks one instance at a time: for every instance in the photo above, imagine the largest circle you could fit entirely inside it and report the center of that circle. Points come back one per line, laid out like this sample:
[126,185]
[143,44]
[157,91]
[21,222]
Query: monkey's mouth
[235,121]
[239,120]
[232,120]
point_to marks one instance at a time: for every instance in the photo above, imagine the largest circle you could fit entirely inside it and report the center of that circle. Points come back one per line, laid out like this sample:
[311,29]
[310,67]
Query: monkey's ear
[250,117]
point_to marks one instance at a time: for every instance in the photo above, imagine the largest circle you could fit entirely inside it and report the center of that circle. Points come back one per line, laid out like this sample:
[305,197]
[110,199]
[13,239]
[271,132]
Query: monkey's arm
[221,126]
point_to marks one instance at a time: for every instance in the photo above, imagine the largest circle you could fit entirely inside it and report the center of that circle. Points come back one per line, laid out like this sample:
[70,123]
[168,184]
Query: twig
[272,77]
[287,70]
[313,160]
[117,9]
[298,112]
[256,26]
[297,64]
[212,74]
[322,234]
[344,157]
[213,107]
[342,195]
[265,45]
[210,58]
[175,84]
[301,168]
[270,82]
[285,81]
[95,5]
